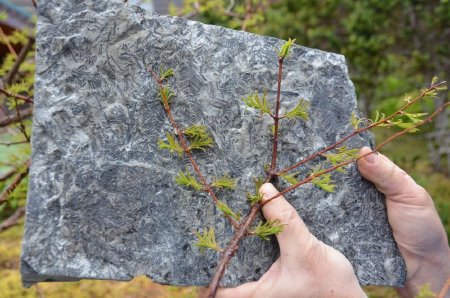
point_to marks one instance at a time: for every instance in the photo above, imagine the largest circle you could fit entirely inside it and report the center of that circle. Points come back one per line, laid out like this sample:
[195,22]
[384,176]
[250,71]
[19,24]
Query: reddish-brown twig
[276,119]
[13,219]
[11,187]
[13,143]
[11,119]
[8,44]
[22,126]
[34,3]
[186,149]
[9,78]
[360,130]
[231,249]
[17,96]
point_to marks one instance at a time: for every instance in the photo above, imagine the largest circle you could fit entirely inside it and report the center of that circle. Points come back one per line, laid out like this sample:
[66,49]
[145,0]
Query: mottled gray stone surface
[102,199]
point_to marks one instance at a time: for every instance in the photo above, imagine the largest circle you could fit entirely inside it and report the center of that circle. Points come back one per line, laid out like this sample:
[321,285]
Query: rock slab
[102,201]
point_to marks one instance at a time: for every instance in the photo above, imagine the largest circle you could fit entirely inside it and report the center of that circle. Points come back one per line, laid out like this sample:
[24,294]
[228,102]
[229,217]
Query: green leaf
[225,182]
[290,178]
[187,180]
[227,210]
[198,137]
[172,145]
[434,80]
[267,229]
[300,110]
[166,94]
[165,74]
[207,240]
[355,121]
[285,48]
[324,182]
[342,154]
[415,117]
[200,142]
[254,101]
[379,117]
[254,198]
[196,130]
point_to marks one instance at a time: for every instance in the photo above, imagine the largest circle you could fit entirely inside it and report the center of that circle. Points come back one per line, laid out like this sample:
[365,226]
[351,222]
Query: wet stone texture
[102,202]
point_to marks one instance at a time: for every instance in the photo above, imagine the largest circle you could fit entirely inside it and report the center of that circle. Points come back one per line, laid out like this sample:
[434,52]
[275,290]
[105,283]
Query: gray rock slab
[102,202]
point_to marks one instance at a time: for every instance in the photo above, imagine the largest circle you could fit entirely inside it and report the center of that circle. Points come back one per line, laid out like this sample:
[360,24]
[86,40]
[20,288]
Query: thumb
[390,179]
[295,237]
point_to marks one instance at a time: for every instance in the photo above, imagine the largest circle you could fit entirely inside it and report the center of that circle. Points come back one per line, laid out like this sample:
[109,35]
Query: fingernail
[371,158]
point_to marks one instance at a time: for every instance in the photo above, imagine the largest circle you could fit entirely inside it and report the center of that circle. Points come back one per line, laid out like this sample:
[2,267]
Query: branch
[9,78]
[231,250]
[8,44]
[10,119]
[34,3]
[5,194]
[358,131]
[8,175]
[22,126]
[17,96]
[13,143]
[276,119]
[186,149]
[376,149]
[13,219]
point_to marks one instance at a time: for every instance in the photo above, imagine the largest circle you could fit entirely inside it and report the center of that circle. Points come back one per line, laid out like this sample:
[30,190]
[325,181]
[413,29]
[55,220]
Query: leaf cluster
[342,154]
[321,180]
[172,145]
[257,102]
[299,111]
[225,182]
[227,210]
[285,48]
[290,178]
[207,240]
[267,229]
[199,138]
[187,180]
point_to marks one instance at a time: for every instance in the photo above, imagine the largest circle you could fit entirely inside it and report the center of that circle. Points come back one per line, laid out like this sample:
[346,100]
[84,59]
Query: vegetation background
[391,46]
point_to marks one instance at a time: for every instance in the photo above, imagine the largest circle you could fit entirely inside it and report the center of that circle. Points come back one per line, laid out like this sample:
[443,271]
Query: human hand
[306,267]
[415,223]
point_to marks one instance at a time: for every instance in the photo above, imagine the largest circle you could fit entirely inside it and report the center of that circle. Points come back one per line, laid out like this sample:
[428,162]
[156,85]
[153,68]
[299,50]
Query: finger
[295,237]
[391,180]
[245,290]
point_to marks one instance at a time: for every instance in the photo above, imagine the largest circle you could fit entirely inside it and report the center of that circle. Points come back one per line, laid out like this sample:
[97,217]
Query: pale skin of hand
[309,268]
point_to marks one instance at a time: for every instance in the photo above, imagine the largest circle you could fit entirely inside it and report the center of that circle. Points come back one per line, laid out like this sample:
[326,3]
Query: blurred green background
[392,47]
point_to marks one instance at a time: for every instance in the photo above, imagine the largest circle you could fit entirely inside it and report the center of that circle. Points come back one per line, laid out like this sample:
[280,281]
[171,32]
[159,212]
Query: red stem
[231,249]
[358,131]
[276,119]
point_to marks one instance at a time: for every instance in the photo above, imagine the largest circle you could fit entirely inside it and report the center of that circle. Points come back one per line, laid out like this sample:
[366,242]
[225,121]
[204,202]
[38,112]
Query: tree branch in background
[10,119]
[34,3]
[10,188]
[8,175]
[22,126]
[8,44]
[9,78]
[17,96]
[13,219]
[13,143]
